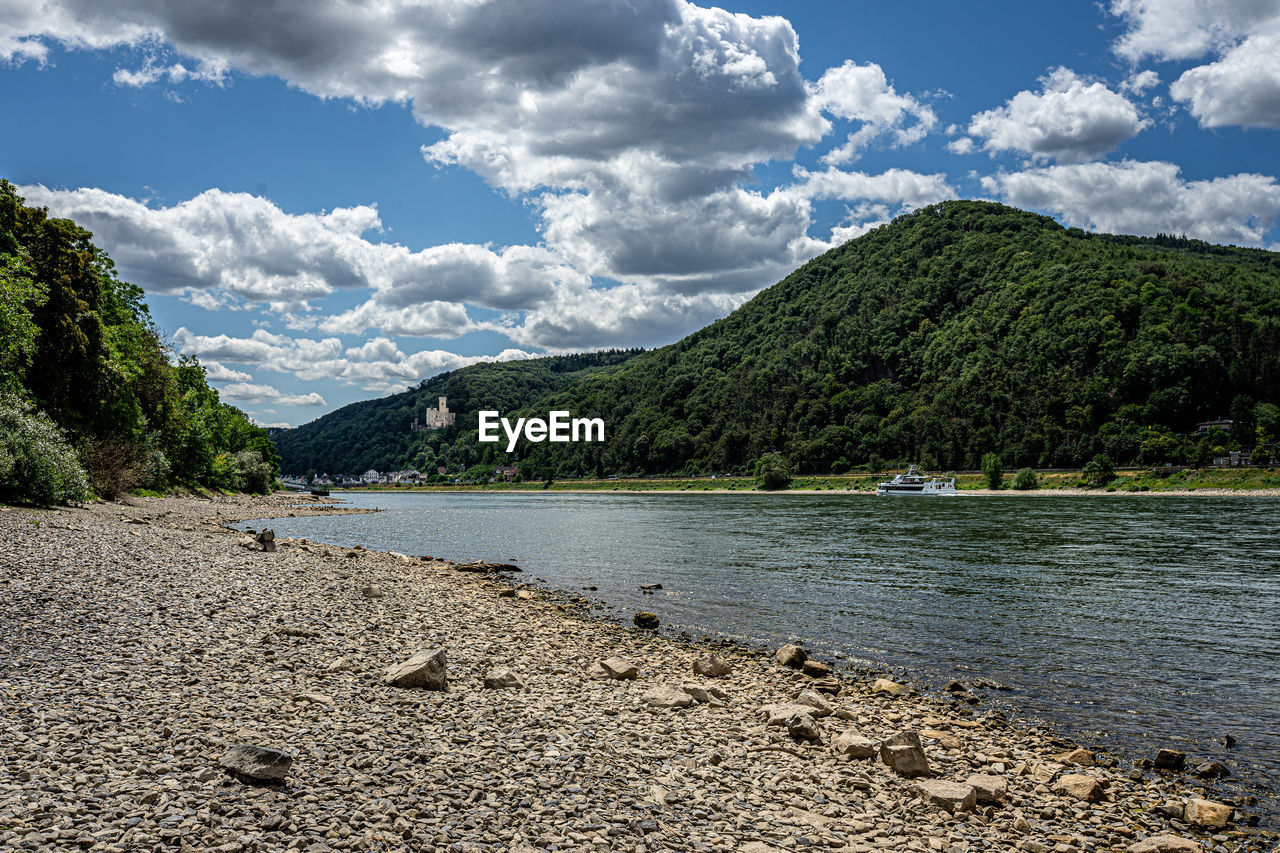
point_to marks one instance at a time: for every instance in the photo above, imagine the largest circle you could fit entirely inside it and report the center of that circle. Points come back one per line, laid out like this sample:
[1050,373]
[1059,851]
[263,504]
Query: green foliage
[1099,470]
[959,329]
[993,471]
[773,471]
[37,464]
[104,376]
[477,474]
[1025,480]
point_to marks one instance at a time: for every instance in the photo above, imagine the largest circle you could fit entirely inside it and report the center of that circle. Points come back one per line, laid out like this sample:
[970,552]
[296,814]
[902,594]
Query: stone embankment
[164,688]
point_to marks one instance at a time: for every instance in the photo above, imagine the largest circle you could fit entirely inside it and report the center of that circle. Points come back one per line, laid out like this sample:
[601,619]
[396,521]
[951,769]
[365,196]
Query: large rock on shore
[892,688]
[819,707]
[712,666]
[1208,813]
[259,763]
[646,620]
[991,790]
[502,678]
[619,669]
[666,696]
[802,726]
[1081,757]
[1166,844]
[951,796]
[1081,786]
[776,715]
[904,753]
[425,669]
[791,655]
[852,744]
[1170,759]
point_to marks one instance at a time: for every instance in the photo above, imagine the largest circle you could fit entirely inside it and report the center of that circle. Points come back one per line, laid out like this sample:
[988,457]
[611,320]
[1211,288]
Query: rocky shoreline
[145,645]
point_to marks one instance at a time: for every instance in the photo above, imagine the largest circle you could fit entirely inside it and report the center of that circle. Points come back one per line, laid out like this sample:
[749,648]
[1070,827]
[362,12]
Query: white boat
[912,484]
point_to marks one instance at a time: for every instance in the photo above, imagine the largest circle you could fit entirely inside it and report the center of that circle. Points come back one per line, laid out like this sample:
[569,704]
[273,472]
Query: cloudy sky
[329,200]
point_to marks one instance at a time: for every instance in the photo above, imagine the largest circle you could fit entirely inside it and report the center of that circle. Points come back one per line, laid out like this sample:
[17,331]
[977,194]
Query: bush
[37,465]
[114,466]
[1099,470]
[1025,480]
[254,473]
[773,472]
[993,471]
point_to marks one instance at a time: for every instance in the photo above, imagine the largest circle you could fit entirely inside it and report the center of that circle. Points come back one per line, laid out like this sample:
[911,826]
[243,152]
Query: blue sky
[326,202]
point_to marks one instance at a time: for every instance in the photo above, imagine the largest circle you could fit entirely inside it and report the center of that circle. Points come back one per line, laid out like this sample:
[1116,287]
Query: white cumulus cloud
[863,94]
[1070,120]
[1147,198]
[244,392]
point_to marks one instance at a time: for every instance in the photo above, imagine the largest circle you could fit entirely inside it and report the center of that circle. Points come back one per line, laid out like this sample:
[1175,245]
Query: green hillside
[375,433]
[965,328]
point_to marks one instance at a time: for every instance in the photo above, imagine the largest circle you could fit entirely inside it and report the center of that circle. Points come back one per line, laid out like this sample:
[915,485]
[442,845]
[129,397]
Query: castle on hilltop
[434,418]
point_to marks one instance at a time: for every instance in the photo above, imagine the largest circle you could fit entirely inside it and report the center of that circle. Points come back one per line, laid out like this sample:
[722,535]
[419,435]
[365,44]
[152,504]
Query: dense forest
[90,400]
[962,329]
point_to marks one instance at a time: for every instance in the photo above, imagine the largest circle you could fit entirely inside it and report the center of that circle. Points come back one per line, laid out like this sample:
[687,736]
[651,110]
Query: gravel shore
[139,642]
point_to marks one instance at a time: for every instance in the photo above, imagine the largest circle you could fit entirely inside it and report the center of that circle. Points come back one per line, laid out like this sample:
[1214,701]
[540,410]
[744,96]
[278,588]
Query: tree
[993,471]
[773,472]
[1025,480]
[1099,470]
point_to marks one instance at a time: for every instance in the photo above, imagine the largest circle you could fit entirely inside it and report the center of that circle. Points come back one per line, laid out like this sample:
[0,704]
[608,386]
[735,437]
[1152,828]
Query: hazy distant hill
[964,328]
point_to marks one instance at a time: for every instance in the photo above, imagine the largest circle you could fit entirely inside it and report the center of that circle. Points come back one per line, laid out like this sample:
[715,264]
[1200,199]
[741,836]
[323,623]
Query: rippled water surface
[1129,622]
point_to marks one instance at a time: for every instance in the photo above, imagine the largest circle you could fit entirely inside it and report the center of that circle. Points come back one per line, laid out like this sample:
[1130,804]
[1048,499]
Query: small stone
[951,796]
[791,655]
[955,687]
[853,745]
[801,726]
[502,678]
[1080,786]
[619,669]
[893,688]
[1170,759]
[666,696]
[257,762]
[712,666]
[1171,808]
[645,620]
[813,669]
[1208,813]
[989,789]
[1165,844]
[425,669]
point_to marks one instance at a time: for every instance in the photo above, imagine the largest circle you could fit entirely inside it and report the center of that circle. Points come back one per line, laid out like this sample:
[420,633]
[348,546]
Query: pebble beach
[409,703]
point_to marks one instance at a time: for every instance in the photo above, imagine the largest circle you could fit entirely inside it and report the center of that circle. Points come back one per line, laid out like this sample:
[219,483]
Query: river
[1129,623]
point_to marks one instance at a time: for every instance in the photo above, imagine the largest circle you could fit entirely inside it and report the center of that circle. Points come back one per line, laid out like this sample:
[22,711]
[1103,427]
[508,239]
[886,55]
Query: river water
[1128,623]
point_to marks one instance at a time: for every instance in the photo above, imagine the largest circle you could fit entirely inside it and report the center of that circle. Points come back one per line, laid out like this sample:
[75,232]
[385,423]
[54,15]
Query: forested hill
[964,328]
[375,433]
